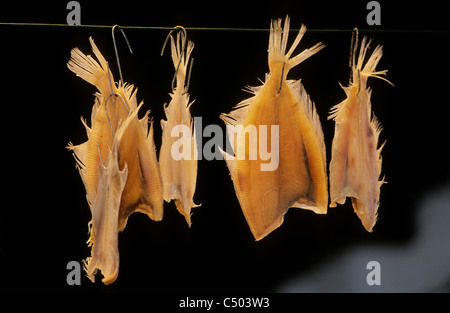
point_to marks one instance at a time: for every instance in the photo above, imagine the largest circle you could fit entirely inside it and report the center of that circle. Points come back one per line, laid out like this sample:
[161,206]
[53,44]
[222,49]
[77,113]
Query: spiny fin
[278,43]
[178,47]
[89,69]
[368,70]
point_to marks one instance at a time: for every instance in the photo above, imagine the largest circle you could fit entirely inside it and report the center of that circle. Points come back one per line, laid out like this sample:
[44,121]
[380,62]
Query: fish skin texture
[117,163]
[355,165]
[300,180]
[179,176]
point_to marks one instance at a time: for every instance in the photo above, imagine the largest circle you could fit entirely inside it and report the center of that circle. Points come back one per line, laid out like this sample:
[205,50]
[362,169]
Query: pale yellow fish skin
[300,179]
[143,191]
[115,124]
[106,209]
[179,176]
[105,214]
[355,165]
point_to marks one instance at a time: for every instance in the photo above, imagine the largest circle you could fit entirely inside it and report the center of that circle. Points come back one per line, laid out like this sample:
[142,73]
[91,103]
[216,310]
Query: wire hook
[353,47]
[183,54]
[281,80]
[112,94]
[100,157]
[115,48]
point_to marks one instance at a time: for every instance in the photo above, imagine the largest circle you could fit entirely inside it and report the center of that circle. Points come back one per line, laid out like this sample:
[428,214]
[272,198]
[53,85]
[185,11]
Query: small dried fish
[178,156]
[117,164]
[299,178]
[355,160]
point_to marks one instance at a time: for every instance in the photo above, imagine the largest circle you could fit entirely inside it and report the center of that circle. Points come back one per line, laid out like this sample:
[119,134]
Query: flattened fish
[296,174]
[105,214]
[355,160]
[134,183]
[178,155]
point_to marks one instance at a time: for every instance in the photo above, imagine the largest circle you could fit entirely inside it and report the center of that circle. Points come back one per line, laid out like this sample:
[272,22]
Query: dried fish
[298,177]
[117,164]
[178,156]
[355,165]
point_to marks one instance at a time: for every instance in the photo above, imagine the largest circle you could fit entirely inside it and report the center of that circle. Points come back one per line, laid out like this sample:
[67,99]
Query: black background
[44,214]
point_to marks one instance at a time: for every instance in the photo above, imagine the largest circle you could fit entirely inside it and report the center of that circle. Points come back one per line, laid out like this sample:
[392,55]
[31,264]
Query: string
[231,29]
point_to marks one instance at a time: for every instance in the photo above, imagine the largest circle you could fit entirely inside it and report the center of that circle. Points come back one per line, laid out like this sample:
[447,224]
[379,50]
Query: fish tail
[86,67]
[278,44]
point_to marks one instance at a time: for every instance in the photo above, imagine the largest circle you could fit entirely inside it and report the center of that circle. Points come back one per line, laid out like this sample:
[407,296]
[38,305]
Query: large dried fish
[296,176]
[134,183]
[355,165]
[178,155]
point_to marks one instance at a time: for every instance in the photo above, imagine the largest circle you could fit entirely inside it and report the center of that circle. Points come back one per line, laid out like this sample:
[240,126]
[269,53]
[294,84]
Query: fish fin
[178,46]
[89,69]
[278,43]
[310,109]
[368,69]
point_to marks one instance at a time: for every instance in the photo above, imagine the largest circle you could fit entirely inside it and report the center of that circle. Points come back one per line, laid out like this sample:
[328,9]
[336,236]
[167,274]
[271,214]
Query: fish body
[355,165]
[299,178]
[117,163]
[178,154]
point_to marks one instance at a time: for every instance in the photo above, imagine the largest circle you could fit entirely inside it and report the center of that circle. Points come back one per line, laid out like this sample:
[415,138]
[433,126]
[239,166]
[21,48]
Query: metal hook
[115,48]
[107,114]
[100,156]
[359,82]
[352,62]
[170,33]
[281,80]
[115,95]
[112,94]
[183,51]
[186,88]
[353,47]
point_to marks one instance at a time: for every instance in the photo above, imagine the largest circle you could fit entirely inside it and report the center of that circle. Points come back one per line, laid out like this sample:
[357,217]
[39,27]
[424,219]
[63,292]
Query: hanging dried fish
[296,177]
[178,155]
[117,164]
[355,160]
[105,213]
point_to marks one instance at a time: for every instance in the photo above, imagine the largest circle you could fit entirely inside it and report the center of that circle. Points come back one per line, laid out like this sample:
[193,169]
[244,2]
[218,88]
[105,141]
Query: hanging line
[232,29]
